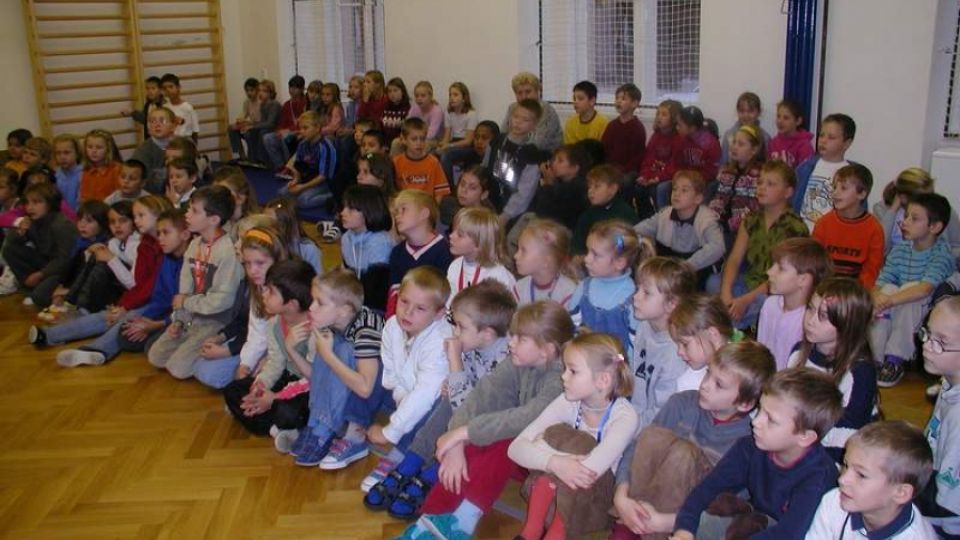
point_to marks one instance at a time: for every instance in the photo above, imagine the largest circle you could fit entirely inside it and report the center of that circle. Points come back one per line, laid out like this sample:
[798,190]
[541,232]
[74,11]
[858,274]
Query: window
[653,43]
[335,39]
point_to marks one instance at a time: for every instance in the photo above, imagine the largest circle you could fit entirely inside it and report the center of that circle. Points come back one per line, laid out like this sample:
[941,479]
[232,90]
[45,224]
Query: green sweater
[616,209]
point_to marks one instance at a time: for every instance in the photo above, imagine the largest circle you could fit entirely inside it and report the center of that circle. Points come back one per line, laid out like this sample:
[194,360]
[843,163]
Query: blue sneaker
[443,526]
[343,454]
[313,451]
[302,439]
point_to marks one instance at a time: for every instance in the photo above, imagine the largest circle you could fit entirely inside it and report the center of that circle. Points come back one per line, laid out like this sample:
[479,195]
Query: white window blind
[335,39]
[654,44]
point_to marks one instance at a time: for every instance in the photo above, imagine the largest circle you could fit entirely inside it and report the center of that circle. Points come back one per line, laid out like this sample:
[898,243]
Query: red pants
[489,468]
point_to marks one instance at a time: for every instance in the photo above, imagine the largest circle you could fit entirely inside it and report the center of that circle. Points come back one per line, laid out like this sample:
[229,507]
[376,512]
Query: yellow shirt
[575,130]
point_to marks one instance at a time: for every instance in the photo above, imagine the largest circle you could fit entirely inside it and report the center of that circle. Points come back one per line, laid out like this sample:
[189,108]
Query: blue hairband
[618,243]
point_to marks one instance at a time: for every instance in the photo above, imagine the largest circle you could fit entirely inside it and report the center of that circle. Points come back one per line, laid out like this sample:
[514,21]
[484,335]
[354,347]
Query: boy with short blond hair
[586,122]
[799,264]
[603,191]
[209,279]
[913,269]
[687,229]
[886,465]
[415,215]
[852,236]
[414,369]
[312,166]
[688,436]
[744,291]
[416,169]
[783,466]
[625,139]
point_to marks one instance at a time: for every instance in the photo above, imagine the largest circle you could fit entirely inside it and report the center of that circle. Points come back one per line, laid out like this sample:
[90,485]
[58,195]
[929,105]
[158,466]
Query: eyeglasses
[936,345]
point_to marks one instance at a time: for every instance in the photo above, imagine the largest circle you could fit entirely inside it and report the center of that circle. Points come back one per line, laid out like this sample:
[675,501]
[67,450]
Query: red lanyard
[201,265]
[533,288]
[476,276]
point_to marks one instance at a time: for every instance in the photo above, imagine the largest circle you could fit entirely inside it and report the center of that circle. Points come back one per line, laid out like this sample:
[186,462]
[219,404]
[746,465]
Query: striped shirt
[905,265]
[364,332]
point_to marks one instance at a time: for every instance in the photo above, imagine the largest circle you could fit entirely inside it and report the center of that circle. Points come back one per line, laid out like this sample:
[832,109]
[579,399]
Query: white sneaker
[284,439]
[7,286]
[28,301]
[76,357]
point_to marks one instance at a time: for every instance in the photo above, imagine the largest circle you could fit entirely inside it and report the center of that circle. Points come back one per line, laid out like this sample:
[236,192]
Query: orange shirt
[99,182]
[424,174]
[854,245]
[16,165]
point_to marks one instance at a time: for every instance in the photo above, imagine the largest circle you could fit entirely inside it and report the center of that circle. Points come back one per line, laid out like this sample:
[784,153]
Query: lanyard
[476,276]
[201,265]
[603,419]
[549,293]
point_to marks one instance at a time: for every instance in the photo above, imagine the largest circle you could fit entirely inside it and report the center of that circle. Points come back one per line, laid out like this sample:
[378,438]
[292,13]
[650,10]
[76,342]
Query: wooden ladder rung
[182,62]
[94,84]
[51,18]
[197,91]
[208,106]
[192,76]
[94,101]
[184,46]
[178,31]
[79,69]
[176,15]
[63,35]
[77,52]
[82,119]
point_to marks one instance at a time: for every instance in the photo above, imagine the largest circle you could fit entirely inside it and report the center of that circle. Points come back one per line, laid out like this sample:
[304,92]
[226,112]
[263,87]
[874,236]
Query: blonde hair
[344,287]
[525,78]
[552,236]
[604,353]
[752,364]
[236,181]
[72,139]
[674,278]
[698,312]
[482,225]
[311,117]
[913,180]
[266,240]
[420,199]
[620,237]
[112,153]
[429,279]
[546,321]
[428,86]
[271,87]
[155,204]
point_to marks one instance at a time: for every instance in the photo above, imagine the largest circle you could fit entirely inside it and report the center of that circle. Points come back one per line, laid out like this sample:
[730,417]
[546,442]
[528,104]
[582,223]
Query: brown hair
[488,304]
[546,321]
[184,145]
[782,170]
[907,456]
[848,306]
[533,106]
[749,99]
[72,139]
[861,177]
[430,279]
[482,225]
[270,86]
[806,255]
[751,362]
[694,177]
[155,204]
[605,173]
[673,277]
[605,353]
[698,312]
[267,241]
[817,399]
[236,181]
[41,146]
[465,92]
[344,287]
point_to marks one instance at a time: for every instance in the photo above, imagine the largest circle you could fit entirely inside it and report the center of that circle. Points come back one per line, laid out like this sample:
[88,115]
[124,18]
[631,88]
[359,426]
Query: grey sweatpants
[893,333]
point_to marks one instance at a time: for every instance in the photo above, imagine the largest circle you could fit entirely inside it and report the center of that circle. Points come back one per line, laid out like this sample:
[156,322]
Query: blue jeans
[277,147]
[88,325]
[363,411]
[752,314]
[315,197]
[216,373]
[328,394]
[452,157]
[664,190]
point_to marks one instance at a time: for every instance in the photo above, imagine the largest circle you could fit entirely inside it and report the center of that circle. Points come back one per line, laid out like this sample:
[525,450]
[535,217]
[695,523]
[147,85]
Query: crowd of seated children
[582,353]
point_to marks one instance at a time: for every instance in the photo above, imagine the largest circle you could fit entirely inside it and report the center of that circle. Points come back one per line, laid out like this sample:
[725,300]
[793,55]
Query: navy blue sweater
[788,495]
[164,289]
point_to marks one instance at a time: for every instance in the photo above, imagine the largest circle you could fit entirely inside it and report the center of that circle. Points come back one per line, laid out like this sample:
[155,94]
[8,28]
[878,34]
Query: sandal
[381,495]
[406,505]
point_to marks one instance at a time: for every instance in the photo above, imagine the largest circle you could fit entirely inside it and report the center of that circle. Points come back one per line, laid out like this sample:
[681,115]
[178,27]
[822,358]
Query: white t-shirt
[191,122]
[460,123]
[462,274]
[833,522]
[818,198]
[691,379]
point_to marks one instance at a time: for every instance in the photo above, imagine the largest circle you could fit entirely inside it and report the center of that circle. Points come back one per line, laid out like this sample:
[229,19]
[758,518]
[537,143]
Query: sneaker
[284,440]
[36,336]
[313,451]
[415,532]
[28,301]
[378,474]
[890,372]
[443,526]
[77,357]
[347,453]
[8,283]
[298,445]
[332,234]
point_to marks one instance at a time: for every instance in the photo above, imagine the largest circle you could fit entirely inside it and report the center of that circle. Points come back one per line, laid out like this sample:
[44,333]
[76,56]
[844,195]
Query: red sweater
[372,109]
[290,112]
[856,246]
[149,258]
[659,154]
[624,144]
[700,152]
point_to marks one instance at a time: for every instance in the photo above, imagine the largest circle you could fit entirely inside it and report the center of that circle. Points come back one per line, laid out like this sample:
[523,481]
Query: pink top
[434,119]
[334,121]
[779,330]
[7,218]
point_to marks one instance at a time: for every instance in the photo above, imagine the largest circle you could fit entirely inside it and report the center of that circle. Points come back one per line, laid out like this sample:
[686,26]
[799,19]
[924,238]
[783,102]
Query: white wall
[18,108]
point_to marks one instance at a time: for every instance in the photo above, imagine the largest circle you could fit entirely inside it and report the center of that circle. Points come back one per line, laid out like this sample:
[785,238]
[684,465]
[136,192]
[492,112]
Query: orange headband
[259,235]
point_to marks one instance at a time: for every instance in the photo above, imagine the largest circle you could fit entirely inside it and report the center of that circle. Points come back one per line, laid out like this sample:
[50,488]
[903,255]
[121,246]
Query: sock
[395,455]
[355,433]
[468,515]
[410,464]
[557,530]
[541,496]
[431,474]
[893,359]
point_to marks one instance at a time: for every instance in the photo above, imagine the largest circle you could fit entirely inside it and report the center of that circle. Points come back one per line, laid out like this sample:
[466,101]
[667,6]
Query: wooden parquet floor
[125,451]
